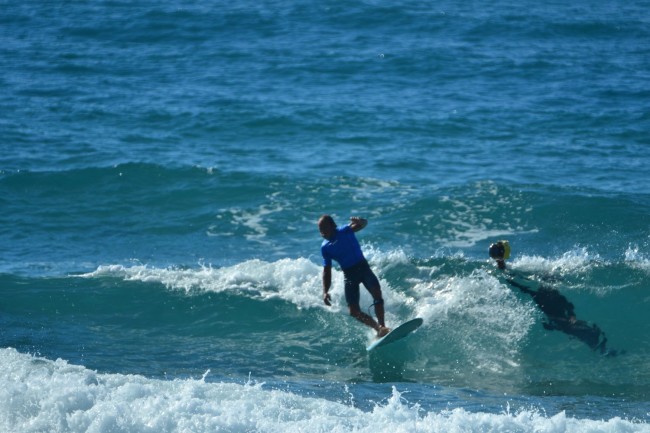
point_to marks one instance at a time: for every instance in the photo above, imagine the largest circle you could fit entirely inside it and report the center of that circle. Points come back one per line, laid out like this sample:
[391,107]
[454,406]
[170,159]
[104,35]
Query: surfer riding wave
[341,244]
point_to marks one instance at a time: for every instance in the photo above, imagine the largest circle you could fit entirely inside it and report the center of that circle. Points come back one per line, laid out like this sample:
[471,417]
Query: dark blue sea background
[163,166]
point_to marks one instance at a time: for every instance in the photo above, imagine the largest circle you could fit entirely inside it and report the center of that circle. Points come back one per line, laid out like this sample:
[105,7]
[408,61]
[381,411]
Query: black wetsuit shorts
[354,276]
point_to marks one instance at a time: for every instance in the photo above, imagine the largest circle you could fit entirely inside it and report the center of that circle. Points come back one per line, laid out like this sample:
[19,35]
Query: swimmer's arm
[357,223]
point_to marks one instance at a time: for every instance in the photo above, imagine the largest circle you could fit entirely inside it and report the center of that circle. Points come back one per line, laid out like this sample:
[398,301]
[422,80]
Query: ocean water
[163,166]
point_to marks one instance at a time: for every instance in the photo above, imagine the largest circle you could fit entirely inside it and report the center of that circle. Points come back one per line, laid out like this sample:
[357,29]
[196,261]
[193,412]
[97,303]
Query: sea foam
[43,395]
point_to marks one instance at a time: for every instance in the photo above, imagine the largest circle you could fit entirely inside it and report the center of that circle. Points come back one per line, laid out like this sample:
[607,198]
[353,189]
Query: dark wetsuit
[345,249]
[561,317]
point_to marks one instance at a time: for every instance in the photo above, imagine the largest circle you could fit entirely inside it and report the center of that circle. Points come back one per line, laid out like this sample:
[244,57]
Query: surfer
[559,311]
[341,244]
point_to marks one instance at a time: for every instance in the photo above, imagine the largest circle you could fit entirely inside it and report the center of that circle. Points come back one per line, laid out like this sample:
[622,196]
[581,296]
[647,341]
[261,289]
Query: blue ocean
[163,166]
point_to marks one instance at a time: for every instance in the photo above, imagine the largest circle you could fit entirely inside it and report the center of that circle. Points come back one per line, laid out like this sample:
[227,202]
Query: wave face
[266,318]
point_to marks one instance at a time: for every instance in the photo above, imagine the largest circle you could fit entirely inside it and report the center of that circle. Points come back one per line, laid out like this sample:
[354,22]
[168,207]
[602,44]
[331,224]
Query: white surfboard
[396,334]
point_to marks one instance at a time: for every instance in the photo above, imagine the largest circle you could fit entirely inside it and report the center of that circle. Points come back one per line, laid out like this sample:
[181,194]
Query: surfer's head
[500,251]
[327,227]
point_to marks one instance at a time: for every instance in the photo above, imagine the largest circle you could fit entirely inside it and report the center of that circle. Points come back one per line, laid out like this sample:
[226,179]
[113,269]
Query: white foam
[250,223]
[41,395]
[297,281]
[482,319]
[636,259]
[578,260]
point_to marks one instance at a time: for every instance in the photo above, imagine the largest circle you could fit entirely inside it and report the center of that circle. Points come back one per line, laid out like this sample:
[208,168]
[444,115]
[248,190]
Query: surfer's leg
[591,335]
[379,311]
[371,283]
[378,303]
[355,311]
[379,307]
[352,297]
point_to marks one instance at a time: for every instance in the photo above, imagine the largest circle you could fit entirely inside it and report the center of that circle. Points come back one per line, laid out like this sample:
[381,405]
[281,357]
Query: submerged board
[396,334]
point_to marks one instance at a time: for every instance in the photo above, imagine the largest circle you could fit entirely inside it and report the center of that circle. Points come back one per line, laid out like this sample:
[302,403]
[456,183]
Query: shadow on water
[388,363]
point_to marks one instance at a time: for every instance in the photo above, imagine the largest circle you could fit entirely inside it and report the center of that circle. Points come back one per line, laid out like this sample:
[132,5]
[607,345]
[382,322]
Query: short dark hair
[327,218]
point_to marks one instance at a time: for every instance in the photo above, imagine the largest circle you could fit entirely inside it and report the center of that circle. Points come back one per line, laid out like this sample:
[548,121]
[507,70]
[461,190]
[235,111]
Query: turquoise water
[163,166]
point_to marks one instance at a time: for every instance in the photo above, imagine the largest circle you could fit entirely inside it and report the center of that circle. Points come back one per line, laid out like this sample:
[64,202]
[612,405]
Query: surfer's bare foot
[382,331]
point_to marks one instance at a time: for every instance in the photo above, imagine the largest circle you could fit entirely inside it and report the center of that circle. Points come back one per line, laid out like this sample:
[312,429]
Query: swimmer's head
[500,250]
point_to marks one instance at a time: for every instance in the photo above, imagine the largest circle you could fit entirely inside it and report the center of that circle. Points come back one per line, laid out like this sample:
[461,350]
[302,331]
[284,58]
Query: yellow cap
[500,250]
[506,249]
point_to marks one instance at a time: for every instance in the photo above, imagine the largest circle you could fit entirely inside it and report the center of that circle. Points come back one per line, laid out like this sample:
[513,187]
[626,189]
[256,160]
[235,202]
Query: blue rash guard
[344,248]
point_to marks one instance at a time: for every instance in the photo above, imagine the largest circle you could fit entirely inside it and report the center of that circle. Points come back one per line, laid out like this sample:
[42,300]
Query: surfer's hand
[357,223]
[326,299]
